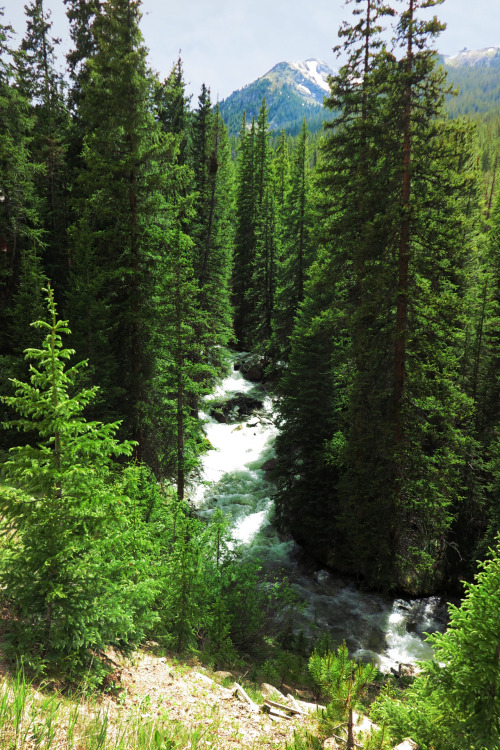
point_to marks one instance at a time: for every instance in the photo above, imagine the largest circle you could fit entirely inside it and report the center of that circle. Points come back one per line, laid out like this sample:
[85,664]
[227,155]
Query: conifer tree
[485,384]
[81,15]
[21,241]
[396,450]
[43,87]
[121,207]
[310,398]
[245,232]
[70,571]
[295,249]
[172,109]
[281,173]
[182,374]
[455,700]
[262,284]
[211,229]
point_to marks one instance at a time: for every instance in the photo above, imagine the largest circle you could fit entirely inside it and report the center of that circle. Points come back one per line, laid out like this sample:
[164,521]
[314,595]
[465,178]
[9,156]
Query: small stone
[407,745]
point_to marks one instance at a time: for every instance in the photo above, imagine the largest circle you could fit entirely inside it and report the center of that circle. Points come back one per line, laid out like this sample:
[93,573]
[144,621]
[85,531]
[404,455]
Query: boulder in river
[234,408]
[251,366]
[269,465]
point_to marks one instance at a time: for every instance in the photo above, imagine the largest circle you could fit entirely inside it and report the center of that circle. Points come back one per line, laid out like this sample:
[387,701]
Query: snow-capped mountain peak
[468,58]
[316,70]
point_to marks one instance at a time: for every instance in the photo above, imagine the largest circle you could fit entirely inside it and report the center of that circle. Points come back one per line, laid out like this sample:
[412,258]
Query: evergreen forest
[140,248]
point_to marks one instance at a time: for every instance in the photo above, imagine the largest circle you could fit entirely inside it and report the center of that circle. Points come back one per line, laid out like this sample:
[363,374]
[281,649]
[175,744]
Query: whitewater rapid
[234,481]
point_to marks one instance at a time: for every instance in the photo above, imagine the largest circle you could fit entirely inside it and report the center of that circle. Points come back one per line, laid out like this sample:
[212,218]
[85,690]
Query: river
[232,480]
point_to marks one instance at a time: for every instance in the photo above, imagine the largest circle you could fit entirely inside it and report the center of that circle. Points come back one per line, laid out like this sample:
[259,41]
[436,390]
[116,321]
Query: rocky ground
[189,695]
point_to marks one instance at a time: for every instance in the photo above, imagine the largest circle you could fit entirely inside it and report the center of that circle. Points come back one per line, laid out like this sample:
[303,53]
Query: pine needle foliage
[454,703]
[343,681]
[69,571]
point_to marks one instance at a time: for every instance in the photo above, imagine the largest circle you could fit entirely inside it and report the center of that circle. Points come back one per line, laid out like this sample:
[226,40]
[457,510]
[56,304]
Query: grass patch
[32,719]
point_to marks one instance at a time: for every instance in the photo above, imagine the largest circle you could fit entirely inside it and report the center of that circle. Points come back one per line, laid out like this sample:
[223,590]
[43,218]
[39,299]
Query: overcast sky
[229,43]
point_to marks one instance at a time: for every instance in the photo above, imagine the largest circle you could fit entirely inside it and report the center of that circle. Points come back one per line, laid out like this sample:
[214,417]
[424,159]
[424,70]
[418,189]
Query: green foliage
[72,569]
[213,599]
[44,88]
[210,598]
[296,253]
[376,415]
[304,742]
[455,700]
[343,681]
[19,219]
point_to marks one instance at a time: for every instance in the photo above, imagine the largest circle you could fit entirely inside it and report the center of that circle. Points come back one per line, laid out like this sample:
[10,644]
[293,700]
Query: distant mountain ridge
[294,90]
[480,58]
[476,74]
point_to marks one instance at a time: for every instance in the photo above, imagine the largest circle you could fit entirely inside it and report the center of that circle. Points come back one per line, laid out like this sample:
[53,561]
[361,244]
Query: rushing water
[233,481]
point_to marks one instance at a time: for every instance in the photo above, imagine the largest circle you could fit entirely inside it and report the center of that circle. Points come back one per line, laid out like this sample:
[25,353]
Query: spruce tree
[431,409]
[70,570]
[245,232]
[296,247]
[43,87]
[172,109]
[485,384]
[262,284]
[21,239]
[122,210]
[455,700]
[398,437]
[81,15]
[211,228]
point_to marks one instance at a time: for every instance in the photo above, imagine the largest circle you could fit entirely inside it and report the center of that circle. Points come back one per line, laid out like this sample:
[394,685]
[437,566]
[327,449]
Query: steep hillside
[476,74]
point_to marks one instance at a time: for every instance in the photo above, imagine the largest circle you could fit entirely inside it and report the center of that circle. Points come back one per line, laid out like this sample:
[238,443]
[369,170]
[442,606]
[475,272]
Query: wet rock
[251,366]
[218,416]
[269,465]
[376,641]
[255,373]
[234,408]
[322,576]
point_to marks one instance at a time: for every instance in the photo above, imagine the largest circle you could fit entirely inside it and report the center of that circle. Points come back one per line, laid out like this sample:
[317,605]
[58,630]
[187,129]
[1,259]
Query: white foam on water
[233,481]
